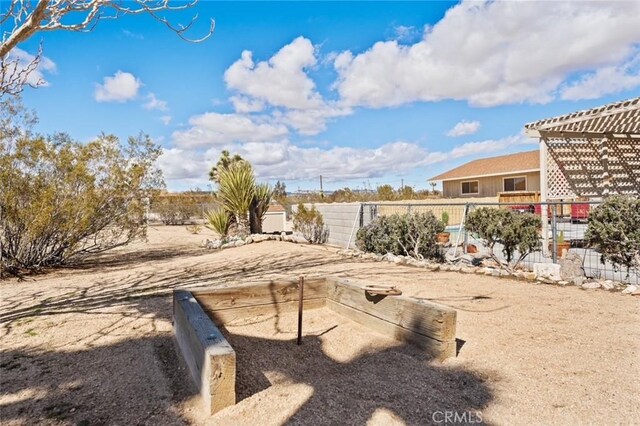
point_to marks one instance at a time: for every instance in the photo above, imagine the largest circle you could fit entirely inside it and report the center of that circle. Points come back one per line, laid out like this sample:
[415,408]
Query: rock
[239,243]
[630,289]
[607,285]
[563,282]
[399,260]
[369,256]
[467,270]
[531,276]
[379,258]
[283,234]
[550,271]
[455,268]
[204,243]
[571,266]
[445,267]
[227,245]
[466,259]
[578,281]
[489,271]
[300,240]
[591,285]
[248,240]
[504,273]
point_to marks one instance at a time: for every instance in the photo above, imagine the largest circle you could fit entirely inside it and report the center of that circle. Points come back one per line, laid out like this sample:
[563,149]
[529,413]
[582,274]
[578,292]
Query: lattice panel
[592,167]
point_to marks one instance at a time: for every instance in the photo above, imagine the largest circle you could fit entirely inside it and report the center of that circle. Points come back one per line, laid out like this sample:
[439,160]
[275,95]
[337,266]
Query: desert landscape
[93,344]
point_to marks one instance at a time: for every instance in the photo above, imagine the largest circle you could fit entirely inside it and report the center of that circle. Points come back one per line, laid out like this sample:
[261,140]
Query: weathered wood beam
[209,357]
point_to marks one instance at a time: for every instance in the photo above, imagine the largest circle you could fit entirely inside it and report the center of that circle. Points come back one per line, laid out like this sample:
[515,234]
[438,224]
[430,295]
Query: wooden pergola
[590,153]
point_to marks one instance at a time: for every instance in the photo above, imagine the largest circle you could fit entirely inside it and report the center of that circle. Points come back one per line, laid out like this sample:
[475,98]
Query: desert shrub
[175,209]
[310,224]
[61,200]
[218,220]
[194,228]
[515,231]
[614,231]
[402,234]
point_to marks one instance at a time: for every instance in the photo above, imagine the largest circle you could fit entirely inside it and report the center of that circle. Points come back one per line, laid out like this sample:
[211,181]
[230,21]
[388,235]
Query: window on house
[470,187]
[515,184]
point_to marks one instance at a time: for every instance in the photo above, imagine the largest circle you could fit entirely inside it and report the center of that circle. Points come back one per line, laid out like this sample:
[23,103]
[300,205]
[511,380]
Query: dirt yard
[93,345]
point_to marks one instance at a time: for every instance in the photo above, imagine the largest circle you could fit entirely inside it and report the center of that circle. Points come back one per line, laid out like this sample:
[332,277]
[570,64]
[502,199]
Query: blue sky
[362,93]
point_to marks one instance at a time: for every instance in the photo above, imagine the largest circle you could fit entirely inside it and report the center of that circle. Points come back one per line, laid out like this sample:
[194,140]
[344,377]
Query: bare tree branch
[73,15]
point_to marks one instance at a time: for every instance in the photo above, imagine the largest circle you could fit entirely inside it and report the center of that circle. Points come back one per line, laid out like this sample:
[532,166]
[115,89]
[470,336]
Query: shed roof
[520,162]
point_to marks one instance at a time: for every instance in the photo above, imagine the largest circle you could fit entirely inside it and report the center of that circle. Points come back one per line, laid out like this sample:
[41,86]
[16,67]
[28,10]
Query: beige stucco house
[491,177]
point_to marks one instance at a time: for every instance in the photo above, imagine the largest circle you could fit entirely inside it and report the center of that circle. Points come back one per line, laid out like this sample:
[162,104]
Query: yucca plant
[259,206]
[236,191]
[219,221]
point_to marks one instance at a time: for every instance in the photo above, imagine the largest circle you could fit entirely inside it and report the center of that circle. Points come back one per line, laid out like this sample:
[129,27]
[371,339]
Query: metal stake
[300,298]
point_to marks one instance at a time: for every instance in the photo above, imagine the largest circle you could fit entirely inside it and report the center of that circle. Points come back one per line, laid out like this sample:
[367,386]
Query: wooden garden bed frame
[197,314]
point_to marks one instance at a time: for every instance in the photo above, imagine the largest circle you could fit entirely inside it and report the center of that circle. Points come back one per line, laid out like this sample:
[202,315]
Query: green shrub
[61,200]
[402,234]
[218,220]
[515,231]
[614,231]
[175,209]
[310,224]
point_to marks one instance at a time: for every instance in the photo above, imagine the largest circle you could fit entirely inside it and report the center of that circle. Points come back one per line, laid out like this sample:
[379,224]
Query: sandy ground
[92,345]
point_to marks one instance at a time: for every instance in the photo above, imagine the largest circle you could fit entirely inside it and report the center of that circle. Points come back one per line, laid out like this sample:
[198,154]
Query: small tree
[614,231]
[310,224]
[280,192]
[236,191]
[224,162]
[514,231]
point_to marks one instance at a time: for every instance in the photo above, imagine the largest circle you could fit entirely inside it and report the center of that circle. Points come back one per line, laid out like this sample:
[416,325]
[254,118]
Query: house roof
[494,166]
[617,118]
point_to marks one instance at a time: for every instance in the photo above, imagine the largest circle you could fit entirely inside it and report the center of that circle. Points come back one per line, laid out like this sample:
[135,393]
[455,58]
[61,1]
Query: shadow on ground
[135,381]
[399,380]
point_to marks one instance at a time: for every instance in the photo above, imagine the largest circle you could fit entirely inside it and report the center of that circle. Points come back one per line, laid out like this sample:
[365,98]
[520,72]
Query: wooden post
[300,301]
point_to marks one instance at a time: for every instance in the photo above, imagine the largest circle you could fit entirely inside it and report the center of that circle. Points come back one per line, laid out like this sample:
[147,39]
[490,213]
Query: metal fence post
[464,222]
[554,234]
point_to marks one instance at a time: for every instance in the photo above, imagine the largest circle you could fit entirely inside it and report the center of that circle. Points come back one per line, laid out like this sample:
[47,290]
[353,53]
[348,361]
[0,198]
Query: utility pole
[321,191]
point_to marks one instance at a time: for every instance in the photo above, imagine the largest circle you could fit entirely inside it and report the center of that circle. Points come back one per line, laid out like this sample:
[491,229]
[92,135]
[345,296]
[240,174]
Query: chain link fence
[565,227]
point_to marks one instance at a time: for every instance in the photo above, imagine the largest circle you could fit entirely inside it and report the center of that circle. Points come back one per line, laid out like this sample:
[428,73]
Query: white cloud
[280,81]
[133,35]
[218,129]
[605,81]
[489,146]
[492,53]
[310,122]
[244,104]
[154,103]
[178,164]
[284,160]
[464,128]
[405,33]
[122,87]
[19,60]
[166,119]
